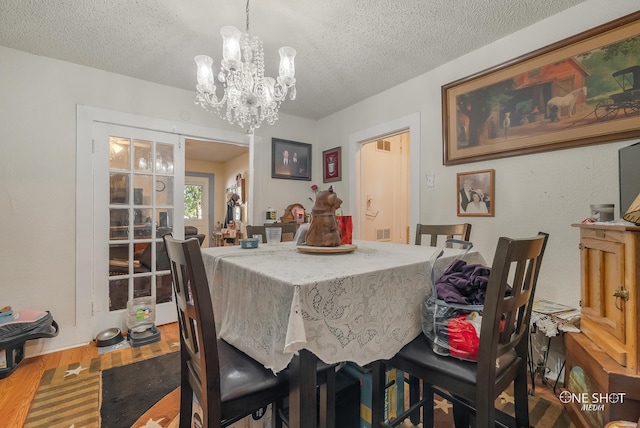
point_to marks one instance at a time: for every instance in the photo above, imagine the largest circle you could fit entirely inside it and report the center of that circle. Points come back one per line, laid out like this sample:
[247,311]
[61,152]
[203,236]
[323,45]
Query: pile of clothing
[463,283]
[456,311]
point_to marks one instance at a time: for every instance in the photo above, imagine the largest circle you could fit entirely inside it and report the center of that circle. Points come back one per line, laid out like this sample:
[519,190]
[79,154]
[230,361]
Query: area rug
[69,396]
[542,413]
[129,391]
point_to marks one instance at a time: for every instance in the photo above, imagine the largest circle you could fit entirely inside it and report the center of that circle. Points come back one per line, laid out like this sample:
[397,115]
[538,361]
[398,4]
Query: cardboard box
[260,419]
[394,396]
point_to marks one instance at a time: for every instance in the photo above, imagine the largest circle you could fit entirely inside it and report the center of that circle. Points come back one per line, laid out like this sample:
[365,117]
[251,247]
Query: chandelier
[249,97]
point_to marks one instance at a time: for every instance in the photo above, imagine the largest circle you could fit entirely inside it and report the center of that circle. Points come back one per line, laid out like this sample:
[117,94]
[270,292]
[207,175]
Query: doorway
[137,185]
[92,306]
[220,163]
[384,177]
[409,126]
[198,204]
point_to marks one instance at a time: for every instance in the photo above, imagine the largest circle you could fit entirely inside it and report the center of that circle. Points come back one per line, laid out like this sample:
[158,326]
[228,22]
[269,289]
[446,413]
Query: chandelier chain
[247,16]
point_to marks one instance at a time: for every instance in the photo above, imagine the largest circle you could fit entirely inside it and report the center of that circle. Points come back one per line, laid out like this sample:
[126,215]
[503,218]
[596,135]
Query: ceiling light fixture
[249,96]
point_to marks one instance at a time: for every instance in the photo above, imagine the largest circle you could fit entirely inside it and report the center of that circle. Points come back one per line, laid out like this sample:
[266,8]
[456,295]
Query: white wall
[38,171]
[279,193]
[547,191]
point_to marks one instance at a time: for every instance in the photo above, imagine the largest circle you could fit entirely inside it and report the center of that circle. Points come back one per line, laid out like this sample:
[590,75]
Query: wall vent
[383,234]
[383,145]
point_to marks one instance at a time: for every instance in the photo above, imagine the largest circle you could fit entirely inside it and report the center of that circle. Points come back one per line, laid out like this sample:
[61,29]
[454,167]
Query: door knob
[621,293]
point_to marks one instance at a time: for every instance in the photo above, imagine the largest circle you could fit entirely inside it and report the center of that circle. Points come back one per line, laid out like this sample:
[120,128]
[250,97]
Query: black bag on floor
[30,324]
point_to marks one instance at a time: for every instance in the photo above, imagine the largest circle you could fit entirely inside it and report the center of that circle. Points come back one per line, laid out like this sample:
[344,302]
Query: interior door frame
[102,318]
[410,124]
[86,116]
[397,203]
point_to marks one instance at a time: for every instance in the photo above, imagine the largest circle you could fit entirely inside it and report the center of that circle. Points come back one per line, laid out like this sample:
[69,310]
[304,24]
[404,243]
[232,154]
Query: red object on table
[346,228]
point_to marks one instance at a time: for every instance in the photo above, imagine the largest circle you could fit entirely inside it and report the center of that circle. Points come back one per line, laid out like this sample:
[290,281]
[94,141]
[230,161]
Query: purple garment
[449,293]
[463,284]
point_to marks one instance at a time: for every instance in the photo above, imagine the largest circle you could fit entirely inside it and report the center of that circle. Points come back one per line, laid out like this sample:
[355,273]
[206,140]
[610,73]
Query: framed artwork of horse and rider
[578,91]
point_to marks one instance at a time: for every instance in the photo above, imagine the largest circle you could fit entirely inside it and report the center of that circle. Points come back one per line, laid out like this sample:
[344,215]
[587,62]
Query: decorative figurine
[324,230]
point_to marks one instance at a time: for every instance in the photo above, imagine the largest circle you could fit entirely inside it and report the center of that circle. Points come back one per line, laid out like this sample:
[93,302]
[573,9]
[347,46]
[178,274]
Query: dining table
[287,306]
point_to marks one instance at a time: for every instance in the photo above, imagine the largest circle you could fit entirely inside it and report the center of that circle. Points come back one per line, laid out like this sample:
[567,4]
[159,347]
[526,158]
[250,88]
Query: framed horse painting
[578,91]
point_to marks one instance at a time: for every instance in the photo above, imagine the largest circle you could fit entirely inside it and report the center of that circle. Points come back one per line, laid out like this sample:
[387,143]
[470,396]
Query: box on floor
[256,420]
[394,395]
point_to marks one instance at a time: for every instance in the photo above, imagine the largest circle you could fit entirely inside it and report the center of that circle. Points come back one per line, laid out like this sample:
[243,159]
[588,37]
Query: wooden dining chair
[288,230]
[435,233]
[502,357]
[227,383]
[445,231]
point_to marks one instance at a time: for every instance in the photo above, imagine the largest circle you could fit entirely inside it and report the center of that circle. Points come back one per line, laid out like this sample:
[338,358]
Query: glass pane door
[140,197]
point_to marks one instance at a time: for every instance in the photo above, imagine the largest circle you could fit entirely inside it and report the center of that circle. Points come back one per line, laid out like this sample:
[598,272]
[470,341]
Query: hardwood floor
[17,390]
[545,390]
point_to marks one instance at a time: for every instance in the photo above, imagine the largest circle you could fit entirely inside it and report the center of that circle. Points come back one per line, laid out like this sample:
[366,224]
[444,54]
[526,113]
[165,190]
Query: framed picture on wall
[290,160]
[574,92]
[476,193]
[332,165]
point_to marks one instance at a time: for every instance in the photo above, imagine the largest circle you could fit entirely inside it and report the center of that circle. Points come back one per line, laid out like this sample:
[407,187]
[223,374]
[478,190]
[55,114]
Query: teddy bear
[324,230]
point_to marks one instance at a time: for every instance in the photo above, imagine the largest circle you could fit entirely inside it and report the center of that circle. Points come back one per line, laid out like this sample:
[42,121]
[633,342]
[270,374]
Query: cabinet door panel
[604,273]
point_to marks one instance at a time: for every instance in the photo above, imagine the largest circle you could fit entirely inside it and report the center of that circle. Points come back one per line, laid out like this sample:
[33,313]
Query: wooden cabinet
[610,302]
[602,363]
[611,391]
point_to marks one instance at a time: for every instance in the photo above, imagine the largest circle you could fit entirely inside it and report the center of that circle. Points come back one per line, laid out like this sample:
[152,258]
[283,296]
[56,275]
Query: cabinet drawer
[590,370]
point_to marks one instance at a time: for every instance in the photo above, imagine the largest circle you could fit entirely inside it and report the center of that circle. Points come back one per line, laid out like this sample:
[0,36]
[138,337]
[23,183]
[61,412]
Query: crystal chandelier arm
[206,89]
[287,66]
[231,54]
[205,72]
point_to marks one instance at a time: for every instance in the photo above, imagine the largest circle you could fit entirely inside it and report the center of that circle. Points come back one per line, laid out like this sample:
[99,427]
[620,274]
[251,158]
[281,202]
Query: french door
[138,197]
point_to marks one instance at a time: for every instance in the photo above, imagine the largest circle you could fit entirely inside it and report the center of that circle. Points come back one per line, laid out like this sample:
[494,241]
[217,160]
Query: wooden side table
[553,320]
[226,238]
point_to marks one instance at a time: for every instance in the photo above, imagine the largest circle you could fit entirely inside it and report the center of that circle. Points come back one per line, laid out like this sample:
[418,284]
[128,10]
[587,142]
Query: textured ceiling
[212,151]
[347,50]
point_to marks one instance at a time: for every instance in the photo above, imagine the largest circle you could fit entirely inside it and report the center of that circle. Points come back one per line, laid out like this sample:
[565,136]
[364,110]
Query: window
[193,202]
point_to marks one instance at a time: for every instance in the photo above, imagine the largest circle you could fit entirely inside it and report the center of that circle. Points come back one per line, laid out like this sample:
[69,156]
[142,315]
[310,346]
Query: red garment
[463,340]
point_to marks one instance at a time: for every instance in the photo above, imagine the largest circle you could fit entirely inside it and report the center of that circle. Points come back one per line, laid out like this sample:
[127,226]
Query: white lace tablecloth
[273,301]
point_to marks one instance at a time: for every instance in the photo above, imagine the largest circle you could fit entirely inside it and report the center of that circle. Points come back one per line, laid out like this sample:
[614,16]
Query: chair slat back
[505,320]
[198,341]
[257,230]
[288,231]
[459,231]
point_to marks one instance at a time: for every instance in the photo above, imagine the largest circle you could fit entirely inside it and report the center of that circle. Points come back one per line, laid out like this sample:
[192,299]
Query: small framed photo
[332,165]
[476,193]
[290,160]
